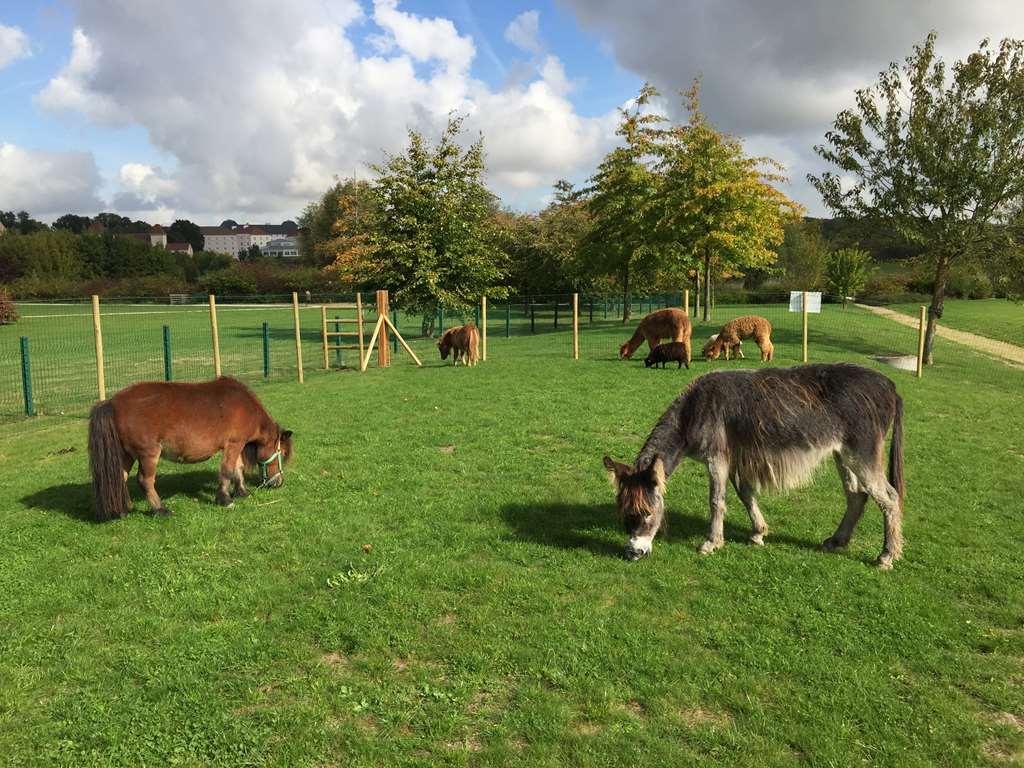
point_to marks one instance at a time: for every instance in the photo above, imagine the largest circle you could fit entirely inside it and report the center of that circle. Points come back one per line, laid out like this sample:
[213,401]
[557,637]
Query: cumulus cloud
[14,45]
[47,183]
[779,72]
[260,123]
[524,32]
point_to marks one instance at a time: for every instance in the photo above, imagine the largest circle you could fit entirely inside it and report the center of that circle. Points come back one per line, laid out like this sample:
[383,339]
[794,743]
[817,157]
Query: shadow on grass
[581,526]
[75,499]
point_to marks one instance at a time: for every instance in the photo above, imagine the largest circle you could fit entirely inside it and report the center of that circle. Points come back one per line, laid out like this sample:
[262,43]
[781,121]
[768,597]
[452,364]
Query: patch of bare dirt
[698,717]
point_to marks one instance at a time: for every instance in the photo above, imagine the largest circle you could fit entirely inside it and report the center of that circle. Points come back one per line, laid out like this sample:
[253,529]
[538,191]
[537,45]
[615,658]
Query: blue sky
[249,108]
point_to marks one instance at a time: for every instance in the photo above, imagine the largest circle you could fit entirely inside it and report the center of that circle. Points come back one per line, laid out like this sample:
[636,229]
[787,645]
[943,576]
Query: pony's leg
[718,476]
[147,481]
[758,527]
[228,467]
[855,501]
[240,491]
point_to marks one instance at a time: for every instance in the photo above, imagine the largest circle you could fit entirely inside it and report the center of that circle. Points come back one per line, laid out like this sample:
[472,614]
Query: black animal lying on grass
[663,353]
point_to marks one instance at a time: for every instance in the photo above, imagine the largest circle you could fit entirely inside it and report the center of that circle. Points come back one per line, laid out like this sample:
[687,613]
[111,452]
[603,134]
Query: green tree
[72,223]
[802,255]
[847,272]
[20,222]
[340,221]
[718,204]
[618,242]
[433,243]
[936,153]
[184,231]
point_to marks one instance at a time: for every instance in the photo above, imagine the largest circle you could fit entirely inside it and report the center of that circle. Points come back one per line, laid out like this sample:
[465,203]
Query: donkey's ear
[616,470]
[658,473]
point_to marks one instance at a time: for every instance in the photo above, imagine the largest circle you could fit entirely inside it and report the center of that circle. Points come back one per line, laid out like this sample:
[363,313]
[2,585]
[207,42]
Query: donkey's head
[713,348]
[640,498]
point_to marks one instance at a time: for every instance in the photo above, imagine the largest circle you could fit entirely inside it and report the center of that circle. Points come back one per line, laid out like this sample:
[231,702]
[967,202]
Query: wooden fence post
[483,330]
[920,341]
[359,324]
[803,312]
[384,347]
[575,326]
[686,301]
[298,336]
[216,335]
[323,334]
[97,333]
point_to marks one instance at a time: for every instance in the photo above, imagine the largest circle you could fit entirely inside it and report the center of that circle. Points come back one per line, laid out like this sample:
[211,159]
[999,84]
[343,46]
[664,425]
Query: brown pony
[185,423]
[672,324]
[465,340]
[729,337]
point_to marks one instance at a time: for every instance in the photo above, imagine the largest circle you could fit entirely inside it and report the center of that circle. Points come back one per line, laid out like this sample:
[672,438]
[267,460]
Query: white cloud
[782,71]
[47,183]
[524,32]
[14,45]
[259,123]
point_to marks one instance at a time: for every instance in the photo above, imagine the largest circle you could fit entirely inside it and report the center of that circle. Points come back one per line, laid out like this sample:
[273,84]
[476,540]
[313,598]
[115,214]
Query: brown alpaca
[671,324]
[464,342]
[728,338]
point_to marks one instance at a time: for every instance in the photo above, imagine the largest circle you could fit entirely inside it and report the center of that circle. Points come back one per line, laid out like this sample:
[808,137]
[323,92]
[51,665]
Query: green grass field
[493,621]
[999,319]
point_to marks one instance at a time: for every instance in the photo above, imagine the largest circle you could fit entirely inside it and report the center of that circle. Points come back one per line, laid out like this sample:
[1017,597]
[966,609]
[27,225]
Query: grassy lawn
[439,582]
[999,319]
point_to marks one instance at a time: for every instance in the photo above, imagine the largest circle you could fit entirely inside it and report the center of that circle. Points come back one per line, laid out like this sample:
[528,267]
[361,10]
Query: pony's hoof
[224,500]
[241,493]
[162,512]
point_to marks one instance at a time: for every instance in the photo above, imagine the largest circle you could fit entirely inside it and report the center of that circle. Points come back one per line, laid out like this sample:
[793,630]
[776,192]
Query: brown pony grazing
[465,341]
[672,324]
[728,339]
[769,429]
[185,423]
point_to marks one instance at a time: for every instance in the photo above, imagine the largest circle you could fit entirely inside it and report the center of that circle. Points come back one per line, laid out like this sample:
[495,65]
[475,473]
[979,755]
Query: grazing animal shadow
[75,499]
[588,526]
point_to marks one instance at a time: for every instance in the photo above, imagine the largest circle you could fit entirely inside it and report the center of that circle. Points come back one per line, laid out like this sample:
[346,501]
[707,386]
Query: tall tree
[620,195]
[20,222]
[936,153]
[72,223]
[716,202]
[184,231]
[432,244]
[339,221]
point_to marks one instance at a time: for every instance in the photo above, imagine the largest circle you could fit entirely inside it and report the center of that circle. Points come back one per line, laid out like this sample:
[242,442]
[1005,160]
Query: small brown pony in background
[464,341]
[185,423]
[729,337]
[672,324]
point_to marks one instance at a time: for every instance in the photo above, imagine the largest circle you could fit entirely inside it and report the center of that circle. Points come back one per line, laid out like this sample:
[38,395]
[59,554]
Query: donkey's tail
[106,457]
[896,452]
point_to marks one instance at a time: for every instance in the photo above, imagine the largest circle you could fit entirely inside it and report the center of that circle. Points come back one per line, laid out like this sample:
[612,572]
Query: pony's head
[445,345]
[713,348]
[640,498]
[268,458]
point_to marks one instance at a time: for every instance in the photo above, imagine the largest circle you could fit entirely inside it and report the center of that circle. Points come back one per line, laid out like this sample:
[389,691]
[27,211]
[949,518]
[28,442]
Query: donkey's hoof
[709,546]
[757,539]
[884,562]
[831,544]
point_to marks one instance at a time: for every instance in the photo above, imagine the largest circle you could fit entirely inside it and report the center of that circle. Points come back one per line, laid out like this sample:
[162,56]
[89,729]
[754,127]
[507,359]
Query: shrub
[847,271]
[48,287]
[8,312]
[157,286]
[229,282]
[969,282]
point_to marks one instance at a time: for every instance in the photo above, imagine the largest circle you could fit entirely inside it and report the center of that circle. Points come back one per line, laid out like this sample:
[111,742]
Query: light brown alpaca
[728,338]
[463,342]
[671,324]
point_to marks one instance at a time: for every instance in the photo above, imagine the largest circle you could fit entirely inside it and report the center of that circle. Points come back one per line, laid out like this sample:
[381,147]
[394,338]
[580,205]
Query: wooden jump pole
[922,323]
[686,301]
[398,336]
[323,333]
[803,312]
[298,335]
[483,328]
[215,334]
[97,334]
[384,348]
[575,326]
[373,338]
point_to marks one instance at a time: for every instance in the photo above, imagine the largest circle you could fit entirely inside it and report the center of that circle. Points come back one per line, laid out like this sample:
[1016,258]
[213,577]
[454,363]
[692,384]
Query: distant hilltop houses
[278,240]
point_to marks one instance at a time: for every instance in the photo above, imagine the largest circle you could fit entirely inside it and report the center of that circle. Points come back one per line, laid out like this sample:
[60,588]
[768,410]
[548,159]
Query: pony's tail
[896,452]
[109,490]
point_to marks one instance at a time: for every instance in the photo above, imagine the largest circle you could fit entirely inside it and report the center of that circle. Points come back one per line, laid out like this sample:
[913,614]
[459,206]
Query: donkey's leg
[758,527]
[856,498]
[147,481]
[718,476]
[888,499]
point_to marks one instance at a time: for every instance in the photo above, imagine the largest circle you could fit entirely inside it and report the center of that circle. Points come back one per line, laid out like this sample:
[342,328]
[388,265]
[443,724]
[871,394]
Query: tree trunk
[626,309]
[935,310]
[707,286]
[696,293]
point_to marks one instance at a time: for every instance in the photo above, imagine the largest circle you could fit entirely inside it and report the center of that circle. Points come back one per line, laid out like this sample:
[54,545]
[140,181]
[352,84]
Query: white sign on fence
[813,301]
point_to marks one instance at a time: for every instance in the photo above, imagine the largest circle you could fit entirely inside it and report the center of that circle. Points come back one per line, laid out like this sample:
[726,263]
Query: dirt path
[1006,352]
